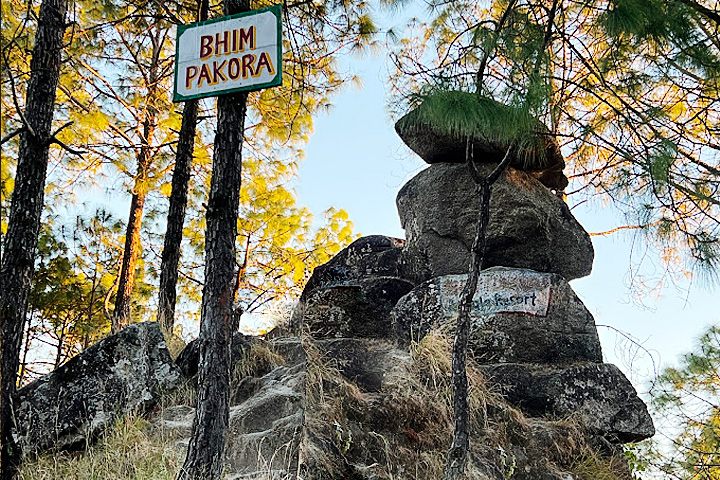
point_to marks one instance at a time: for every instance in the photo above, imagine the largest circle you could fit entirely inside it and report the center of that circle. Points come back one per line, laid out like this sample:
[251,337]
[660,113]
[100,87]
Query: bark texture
[205,450]
[26,209]
[458,454]
[178,204]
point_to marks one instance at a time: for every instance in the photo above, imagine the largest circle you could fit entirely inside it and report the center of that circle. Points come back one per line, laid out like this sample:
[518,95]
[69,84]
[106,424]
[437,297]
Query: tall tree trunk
[176,213]
[26,209]
[121,314]
[204,460]
[457,456]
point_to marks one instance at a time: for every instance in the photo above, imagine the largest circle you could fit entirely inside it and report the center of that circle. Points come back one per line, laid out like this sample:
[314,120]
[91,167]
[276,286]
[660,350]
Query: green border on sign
[275,10]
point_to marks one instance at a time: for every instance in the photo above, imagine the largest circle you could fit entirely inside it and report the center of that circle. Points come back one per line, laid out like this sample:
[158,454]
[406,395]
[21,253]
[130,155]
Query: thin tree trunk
[25,212]
[204,460]
[176,213]
[121,314]
[458,453]
[25,349]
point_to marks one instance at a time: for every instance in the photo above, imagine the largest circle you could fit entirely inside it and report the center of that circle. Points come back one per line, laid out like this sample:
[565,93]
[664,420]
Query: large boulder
[529,227]
[370,256]
[541,159]
[71,406]
[369,269]
[602,397]
[517,316]
[354,308]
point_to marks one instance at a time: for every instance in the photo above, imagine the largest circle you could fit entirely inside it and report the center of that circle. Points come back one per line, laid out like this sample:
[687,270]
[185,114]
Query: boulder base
[529,226]
[517,316]
[604,398]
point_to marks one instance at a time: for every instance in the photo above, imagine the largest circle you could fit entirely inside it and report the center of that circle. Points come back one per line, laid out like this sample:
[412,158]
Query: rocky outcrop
[123,373]
[364,391]
[605,400]
[378,409]
[519,316]
[529,226]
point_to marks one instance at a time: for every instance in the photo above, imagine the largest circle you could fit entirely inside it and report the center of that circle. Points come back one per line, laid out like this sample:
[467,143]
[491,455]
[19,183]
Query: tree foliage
[114,88]
[686,401]
[75,275]
[630,88]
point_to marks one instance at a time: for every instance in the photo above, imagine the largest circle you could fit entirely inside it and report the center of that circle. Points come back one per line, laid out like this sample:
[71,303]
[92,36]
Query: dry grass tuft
[405,430]
[257,361]
[175,344]
[133,450]
[183,394]
[592,466]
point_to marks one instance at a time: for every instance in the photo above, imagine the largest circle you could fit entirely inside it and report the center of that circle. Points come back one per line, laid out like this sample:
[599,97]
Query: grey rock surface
[361,361]
[265,422]
[370,256]
[529,227]
[122,373]
[354,308]
[517,316]
[603,397]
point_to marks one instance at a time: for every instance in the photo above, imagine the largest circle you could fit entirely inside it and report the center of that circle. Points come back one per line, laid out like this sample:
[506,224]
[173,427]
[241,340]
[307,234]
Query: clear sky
[356,161]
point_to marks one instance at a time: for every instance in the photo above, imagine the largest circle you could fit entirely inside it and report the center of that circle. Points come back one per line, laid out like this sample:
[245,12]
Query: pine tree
[204,459]
[20,243]
[686,399]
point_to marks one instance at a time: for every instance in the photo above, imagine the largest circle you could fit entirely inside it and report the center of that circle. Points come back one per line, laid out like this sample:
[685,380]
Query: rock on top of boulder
[435,144]
[529,226]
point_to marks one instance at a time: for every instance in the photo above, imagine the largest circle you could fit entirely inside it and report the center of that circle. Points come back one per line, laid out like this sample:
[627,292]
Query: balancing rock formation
[358,387]
[370,309]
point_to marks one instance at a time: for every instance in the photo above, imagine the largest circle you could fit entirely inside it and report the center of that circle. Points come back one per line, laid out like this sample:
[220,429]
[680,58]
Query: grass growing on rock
[133,450]
[257,361]
[405,430]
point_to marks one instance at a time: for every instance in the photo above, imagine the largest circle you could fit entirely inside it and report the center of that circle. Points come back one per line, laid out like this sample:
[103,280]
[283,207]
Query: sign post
[241,52]
[224,58]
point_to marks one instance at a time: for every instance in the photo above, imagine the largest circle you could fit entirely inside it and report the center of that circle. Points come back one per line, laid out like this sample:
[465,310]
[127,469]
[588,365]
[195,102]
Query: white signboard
[504,291]
[235,53]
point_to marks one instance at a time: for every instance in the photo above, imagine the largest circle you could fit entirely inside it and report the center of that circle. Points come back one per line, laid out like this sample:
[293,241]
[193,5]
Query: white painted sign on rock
[502,291]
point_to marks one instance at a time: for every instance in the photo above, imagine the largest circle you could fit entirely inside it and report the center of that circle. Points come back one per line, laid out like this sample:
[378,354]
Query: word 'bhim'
[228,43]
